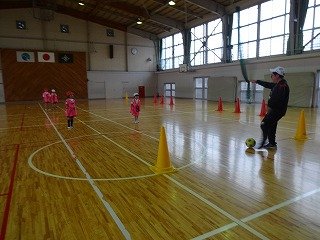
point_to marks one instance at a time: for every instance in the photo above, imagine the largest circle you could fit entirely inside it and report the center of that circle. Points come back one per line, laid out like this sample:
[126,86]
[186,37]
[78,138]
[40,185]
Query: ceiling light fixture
[139,21]
[81,3]
[172,3]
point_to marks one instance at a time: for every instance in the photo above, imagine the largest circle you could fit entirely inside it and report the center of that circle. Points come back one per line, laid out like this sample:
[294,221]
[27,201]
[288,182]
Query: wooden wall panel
[26,81]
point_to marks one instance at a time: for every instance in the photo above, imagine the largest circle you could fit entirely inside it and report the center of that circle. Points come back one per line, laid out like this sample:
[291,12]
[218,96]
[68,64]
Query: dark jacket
[279,95]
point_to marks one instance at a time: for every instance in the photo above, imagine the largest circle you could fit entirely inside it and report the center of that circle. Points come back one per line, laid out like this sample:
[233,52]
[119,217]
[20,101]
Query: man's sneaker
[262,144]
[270,146]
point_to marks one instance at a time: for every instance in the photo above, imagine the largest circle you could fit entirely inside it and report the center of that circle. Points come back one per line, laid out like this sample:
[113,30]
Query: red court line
[9,196]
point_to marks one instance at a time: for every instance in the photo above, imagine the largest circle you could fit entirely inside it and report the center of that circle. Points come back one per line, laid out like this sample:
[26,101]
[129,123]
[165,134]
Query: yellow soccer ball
[250,142]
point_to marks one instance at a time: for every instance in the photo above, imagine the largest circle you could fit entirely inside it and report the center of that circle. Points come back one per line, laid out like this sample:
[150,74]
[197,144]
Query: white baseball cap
[279,70]
[136,94]
[53,90]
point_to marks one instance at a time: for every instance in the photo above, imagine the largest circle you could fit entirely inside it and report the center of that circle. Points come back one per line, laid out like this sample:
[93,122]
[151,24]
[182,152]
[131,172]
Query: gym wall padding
[301,88]
[224,87]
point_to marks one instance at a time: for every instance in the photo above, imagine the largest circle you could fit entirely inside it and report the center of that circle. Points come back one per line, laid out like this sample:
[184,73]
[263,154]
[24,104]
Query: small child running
[135,107]
[71,110]
[46,96]
[54,97]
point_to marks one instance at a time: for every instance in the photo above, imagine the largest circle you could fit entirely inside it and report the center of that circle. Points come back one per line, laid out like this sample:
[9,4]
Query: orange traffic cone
[237,106]
[161,100]
[301,133]
[220,107]
[171,101]
[263,111]
[163,164]
[155,99]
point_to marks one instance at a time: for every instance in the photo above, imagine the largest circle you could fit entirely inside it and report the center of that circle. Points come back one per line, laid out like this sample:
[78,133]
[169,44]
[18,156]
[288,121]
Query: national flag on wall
[25,56]
[65,58]
[46,57]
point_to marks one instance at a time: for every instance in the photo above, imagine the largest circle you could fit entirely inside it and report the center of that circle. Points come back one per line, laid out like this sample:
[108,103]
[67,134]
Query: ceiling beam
[15,4]
[243,5]
[167,22]
[144,14]
[209,5]
[164,4]
[129,8]
[95,8]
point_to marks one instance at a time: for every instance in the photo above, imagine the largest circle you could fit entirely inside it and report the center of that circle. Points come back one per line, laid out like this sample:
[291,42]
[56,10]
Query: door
[252,95]
[1,93]
[201,88]
[169,89]
[316,98]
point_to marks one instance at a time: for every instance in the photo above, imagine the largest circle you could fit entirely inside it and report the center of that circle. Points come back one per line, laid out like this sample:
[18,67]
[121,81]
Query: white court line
[115,123]
[280,205]
[129,152]
[223,212]
[118,145]
[238,222]
[108,207]
[216,231]
[76,178]
[256,215]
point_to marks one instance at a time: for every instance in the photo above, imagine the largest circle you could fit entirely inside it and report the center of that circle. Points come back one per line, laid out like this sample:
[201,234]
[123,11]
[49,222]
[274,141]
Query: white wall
[83,37]
[117,84]
[224,87]
[257,69]
[301,88]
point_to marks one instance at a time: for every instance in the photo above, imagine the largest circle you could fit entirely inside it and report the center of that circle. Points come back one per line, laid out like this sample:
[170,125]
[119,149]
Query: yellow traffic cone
[163,164]
[301,133]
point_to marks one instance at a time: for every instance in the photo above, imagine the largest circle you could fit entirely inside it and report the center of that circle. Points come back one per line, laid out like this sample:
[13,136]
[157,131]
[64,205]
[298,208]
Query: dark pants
[70,121]
[269,126]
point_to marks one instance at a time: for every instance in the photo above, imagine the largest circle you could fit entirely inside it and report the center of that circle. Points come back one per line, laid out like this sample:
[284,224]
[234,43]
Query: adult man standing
[277,106]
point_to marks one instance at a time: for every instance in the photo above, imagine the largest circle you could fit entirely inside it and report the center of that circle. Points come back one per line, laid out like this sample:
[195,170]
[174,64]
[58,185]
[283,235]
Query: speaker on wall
[111,51]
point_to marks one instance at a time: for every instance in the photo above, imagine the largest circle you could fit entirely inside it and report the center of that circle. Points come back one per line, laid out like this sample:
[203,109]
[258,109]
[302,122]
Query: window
[311,27]
[252,94]
[274,27]
[247,31]
[263,30]
[269,35]
[215,41]
[206,43]
[172,51]
[198,45]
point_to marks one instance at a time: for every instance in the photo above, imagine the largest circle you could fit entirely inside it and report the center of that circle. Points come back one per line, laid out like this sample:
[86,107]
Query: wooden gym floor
[94,181]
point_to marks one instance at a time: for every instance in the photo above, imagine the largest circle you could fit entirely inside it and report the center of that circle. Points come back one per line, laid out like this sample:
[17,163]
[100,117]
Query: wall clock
[134,51]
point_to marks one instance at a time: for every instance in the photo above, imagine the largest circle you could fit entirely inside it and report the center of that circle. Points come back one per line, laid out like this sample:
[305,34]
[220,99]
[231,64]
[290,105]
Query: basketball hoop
[183,68]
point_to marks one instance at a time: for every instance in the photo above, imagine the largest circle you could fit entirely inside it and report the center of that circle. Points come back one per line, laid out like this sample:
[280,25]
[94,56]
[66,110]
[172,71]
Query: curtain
[186,37]
[158,48]
[227,21]
[298,13]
